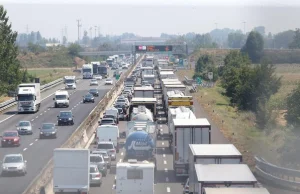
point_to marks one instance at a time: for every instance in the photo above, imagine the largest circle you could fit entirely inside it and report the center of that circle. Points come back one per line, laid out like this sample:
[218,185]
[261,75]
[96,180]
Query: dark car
[112,117]
[88,98]
[107,121]
[94,92]
[65,118]
[10,138]
[48,130]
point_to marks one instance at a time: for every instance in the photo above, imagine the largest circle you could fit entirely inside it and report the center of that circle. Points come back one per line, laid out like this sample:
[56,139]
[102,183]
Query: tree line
[249,80]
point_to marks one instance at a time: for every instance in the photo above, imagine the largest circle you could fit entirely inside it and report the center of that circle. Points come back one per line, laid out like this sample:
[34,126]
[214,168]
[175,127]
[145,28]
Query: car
[93,82]
[111,116]
[98,77]
[14,164]
[109,147]
[107,121]
[108,82]
[95,176]
[122,102]
[122,114]
[10,138]
[65,118]
[88,98]
[146,85]
[94,92]
[24,128]
[48,130]
[98,160]
[104,155]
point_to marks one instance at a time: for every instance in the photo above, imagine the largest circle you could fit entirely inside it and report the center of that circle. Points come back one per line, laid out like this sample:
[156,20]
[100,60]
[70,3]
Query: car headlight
[70,119]
[41,133]
[3,140]
[4,167]
[20,167]
[59,119]
[53,132]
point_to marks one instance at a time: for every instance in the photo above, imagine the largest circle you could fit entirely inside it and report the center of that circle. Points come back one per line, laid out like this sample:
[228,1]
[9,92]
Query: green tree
[293,107]
[236,40]
[254,46]
[296,40]
[74,49]
[283,39]
[10,74]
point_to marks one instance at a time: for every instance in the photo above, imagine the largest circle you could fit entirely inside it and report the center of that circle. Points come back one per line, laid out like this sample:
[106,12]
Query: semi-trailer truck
[29,97]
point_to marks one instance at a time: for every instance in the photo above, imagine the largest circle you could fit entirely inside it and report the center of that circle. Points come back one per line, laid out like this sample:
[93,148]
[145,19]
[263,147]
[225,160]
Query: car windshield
[108,116]
[108,80]
[24,124]
[120,100]
[95,159]
[65,114]
[60,97]
[93,90]
[13,159]
[48,126]
[88,96]
[10,134]
[105,121]
[93,80]
[105,146]
[93,169]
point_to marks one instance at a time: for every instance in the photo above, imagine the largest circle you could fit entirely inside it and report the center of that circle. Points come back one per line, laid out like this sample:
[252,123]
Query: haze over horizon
[150,20]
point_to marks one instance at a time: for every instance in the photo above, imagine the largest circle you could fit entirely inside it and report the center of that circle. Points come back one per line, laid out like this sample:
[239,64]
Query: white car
[98,77]
[108,82]
[94,82]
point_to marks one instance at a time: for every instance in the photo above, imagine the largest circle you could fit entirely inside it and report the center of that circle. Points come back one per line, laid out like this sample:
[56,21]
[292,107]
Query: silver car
[109,147]
[13,164]
[95,176]
[105,156]
[97,159]
[24,128]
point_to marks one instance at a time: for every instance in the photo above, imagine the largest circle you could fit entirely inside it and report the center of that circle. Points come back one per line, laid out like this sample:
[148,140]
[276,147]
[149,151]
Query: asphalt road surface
[38,152]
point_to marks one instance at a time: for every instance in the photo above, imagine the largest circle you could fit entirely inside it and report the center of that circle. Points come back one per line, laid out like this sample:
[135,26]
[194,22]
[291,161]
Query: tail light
[186,187]
[98,175]
[112,151]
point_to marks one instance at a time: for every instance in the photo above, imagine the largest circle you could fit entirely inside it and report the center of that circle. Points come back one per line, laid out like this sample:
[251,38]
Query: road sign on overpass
[153,48]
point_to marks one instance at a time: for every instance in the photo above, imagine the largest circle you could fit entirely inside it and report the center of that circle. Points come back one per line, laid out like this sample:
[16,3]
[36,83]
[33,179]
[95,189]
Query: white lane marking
[45,111]
[120,160]
[7,118]
[31,144]
[32,119]
[167,179]
[168,189]
[36,139]
[41,114]
[37,117]
[48,108]
[166,170]
[165,162]
[162,143]
[164,155]
[122,154]
[72,108]
[24,149]
[160,126]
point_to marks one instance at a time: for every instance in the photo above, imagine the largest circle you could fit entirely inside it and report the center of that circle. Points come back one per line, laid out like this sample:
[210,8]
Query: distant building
[52,44]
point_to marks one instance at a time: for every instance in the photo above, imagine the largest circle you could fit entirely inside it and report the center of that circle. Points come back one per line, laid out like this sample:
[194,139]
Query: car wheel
[24,173]
[99,185]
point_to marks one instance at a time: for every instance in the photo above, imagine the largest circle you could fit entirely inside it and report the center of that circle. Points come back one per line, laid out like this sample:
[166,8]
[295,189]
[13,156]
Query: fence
[279,176]
[12,102]
[84,131]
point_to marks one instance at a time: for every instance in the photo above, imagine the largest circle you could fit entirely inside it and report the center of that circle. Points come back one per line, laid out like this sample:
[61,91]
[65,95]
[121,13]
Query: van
[108,133]
[61,99]
[113,111]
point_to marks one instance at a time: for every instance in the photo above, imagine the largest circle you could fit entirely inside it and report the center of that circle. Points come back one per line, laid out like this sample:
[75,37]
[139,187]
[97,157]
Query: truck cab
[29,97]
[70,82]
[61,99]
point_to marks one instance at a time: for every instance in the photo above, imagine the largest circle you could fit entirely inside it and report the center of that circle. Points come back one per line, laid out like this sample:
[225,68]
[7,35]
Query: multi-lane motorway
[38,152]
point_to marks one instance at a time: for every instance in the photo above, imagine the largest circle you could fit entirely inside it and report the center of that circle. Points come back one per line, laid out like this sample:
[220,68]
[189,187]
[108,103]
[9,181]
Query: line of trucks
[208,168]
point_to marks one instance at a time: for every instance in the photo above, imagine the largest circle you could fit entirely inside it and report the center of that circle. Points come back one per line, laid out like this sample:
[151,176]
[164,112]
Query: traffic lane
[39,153]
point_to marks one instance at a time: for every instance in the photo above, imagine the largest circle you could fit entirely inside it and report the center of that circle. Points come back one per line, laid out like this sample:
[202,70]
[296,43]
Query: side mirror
[68,98]
[53,98]
[57,116]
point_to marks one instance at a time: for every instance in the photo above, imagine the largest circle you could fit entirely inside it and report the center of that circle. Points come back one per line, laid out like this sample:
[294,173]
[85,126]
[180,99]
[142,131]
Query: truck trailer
[144,92]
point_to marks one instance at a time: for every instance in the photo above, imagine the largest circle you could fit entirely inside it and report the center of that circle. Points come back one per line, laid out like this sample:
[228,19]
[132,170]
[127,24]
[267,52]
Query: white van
[61,99]
[108,133]
[113,111]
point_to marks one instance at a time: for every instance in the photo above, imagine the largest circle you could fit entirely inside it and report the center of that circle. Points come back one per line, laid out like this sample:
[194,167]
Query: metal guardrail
[12,102]
[279,176]
[45,175]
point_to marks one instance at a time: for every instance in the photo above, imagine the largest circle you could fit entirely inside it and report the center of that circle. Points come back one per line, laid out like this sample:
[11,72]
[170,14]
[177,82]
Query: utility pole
[66,32]
[99,31]
[27,29]
[78,25]
[244,27]
[91,32]
[62,35]
[95,31]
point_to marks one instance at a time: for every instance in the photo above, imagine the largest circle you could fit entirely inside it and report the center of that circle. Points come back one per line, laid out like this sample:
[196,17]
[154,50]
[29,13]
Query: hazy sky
[150,17]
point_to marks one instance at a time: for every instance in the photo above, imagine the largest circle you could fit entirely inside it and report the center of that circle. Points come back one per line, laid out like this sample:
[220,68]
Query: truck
[61,99]
[87,71]
[172,87]
[103,71]
[95,66]
[141,113]
[150,79]
[108,133]
[222,175]
[29,97]
[110,61]
[166,74]
[71,171]
[135,177]
[149,103]
[70,82]
[174,100]
[208,190]
[185,132]
[149,61]
[211,154]
[147,71]
[143,92]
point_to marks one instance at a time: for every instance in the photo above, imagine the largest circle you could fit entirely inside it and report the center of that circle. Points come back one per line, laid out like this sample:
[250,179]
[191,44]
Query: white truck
[87,71]
[108,133]
[149,78]
[177,98]
[144,92]
[61,99]
[208,190]
[221,176]
[70,82]
[166,74]
[185,132]
[211,154]
[29,97]
[141,113]
[149,103]
[71,171]
[134,177]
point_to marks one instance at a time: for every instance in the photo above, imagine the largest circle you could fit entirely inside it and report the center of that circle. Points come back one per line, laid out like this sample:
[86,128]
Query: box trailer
[144,92]
[235,191]
[149,103]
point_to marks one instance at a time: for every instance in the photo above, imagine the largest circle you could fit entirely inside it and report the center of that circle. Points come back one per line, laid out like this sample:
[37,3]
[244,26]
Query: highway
[38,152]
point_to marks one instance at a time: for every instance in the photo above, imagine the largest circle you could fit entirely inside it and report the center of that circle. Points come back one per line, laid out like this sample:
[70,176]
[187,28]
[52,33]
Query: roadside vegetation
[253,102]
